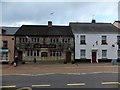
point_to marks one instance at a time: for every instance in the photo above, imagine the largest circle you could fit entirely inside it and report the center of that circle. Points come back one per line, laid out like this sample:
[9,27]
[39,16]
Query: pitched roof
[44,30]
[9,30]
[117,21]
[93,28]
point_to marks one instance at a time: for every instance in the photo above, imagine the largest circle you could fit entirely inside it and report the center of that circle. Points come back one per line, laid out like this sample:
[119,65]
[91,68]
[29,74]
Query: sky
[60,13]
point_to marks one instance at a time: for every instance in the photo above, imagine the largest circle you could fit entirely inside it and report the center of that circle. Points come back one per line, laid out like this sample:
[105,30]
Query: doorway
[20,56]
[94,56]
[68,56]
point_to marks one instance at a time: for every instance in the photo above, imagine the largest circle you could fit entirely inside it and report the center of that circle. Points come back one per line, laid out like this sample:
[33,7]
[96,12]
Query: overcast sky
[61,13]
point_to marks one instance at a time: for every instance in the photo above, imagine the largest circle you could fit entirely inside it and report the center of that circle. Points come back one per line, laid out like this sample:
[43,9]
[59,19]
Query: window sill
[104,58]
[82,43]
[83,58]
[104,44]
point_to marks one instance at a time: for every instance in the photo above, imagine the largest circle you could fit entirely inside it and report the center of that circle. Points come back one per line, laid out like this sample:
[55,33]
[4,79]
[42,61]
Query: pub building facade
[44,43]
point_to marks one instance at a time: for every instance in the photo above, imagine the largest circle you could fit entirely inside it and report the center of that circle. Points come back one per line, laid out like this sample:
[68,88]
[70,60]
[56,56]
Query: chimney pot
[93,21]
[49,23]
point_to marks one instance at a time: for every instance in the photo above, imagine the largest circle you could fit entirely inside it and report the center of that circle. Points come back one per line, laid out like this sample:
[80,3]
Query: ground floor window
[55,53]
[4,56]
[82,53]
[118,53]
[44,54]
[32,52]
[104,53]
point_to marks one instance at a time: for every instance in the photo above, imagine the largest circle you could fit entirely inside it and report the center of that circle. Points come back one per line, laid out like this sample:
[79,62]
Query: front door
[19,55]
[68,56]
[94,57]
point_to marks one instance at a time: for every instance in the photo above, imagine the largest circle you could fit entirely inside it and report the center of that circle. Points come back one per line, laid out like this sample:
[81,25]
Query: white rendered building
[95,41]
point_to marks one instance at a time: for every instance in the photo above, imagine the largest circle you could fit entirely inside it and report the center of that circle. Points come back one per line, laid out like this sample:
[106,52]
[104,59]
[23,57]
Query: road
[68,80]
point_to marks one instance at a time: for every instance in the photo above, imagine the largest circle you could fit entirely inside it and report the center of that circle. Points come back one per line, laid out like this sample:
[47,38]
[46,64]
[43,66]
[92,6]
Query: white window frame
[104,53]
[82,53]
[23,40]
[55,53]
[4,56]
[104,38]
[118,53]
[82,38]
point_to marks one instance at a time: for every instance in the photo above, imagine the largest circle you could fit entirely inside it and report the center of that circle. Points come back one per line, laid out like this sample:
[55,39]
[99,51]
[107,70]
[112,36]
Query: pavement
[31,68]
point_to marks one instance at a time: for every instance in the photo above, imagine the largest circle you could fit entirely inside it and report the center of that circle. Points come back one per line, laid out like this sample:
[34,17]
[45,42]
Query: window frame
[83,39]
[104,55]
[82,53]
[104,40]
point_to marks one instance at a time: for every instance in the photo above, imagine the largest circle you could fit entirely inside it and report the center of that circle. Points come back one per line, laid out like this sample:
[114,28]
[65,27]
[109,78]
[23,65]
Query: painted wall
[10,40]
[91,45]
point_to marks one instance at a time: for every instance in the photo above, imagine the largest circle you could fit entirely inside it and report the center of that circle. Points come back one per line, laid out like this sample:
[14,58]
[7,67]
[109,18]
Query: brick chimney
[49,23]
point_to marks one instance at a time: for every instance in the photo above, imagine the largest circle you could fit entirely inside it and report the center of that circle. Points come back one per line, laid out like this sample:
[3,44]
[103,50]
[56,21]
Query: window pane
[103,37]
[37,52]
[118,53]
[104,40]
[44,54]
[82,39]
[104,53]
[82,53]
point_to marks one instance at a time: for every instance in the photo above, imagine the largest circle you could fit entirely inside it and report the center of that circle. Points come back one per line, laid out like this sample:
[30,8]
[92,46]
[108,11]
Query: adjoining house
[95,42]
[7,43]
[44,43]
[117,24]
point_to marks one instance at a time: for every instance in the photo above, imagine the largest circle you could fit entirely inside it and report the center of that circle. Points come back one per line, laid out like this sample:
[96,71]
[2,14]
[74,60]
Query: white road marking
[8,86]
[41,85]
[76,84]
[109,83]
[88,73]
[29,74]
[60,73]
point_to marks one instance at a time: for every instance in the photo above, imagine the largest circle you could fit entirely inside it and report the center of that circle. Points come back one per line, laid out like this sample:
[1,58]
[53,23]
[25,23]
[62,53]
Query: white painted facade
[94,44]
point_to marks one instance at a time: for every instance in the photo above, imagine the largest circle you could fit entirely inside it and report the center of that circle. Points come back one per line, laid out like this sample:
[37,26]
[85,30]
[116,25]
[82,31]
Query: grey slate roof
[9,30]
[93,28]
[44,30]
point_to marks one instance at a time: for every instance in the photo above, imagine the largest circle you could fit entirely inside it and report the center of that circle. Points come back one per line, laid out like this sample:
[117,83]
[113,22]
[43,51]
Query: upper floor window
[23,40]
[54,40]
[104,39]
[5,44]
[118,40]
[66,40]
[62,40]
[35,39]
[82,39]
[104,53]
